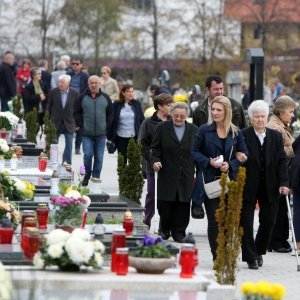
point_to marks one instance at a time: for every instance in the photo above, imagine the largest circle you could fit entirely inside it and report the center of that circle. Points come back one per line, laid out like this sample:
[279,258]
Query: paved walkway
[278,268]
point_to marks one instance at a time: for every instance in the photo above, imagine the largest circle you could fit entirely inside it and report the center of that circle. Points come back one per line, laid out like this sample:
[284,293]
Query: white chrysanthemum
[55,250]
[98,246]
[13,119]
[4,147]
[81,234]
[3,142]
[98,259]
[79,251]
[57,236]
[19,184]
[38,261]
[88,201]
[73,194]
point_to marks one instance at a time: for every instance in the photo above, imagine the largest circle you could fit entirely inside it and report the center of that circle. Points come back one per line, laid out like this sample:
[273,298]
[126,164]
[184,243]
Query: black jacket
[8,85]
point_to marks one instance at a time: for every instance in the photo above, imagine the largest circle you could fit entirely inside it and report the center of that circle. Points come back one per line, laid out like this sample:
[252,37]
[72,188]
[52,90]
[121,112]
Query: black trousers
[280,232]
[174,217]
[122,144]
[267,215]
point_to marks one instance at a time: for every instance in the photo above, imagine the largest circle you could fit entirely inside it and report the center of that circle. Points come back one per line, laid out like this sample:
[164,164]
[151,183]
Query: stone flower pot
[151,265]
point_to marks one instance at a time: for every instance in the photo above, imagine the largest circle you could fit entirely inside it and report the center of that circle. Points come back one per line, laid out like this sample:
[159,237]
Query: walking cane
[155,218]
[293,231]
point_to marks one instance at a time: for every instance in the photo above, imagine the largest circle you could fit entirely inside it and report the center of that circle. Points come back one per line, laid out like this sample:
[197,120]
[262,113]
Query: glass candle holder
[118,241]
[196,260]
[42,213]
[29,222]
[186,260]
[128,226]
[6,235]
[26,214]
[31,242]
[122,261]
[3,133]
[43,164]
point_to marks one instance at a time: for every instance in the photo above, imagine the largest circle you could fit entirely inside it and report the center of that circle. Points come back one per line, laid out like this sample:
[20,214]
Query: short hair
[33,71]
[282,104]
[212,78]
[43,63]
[107,69]
[61,65]
[77,58]
[65,77]
[258,106]
[162,99]
[65,57]
[182,105]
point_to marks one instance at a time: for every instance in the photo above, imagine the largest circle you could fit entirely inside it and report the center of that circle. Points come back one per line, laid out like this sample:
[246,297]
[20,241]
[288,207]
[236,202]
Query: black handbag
[111,147]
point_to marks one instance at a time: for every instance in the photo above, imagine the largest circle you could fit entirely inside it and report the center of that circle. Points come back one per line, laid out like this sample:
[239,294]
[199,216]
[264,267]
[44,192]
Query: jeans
[93,147]
[67,155]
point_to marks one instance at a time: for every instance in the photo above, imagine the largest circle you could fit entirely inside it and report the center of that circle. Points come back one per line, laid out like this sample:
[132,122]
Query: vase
[69,217]
[69,268]
[151,265]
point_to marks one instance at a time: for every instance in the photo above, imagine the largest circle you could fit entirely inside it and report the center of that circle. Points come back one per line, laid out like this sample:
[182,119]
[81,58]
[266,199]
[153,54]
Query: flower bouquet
[8,120]
[4,150]
[152,256]
[69,251]
[262,290]
[8,210]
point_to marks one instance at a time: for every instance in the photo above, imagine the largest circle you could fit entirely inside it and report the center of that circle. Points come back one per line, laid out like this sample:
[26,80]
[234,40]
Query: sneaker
[294,253]
[77,151]
[85,180]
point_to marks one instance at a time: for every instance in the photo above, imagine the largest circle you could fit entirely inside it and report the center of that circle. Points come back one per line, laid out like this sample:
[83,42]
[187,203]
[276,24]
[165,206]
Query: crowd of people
[185,155]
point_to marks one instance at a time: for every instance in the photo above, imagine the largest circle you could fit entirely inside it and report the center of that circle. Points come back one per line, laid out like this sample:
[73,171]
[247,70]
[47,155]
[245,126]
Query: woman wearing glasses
[109,85]
[170,155]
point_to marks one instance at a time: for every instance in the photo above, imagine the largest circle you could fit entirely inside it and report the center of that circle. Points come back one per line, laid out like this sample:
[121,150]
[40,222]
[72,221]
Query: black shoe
[179,239]
[197,211]
[77,151]
[165,236]
[260,260]
[252,265]
[280,250]
[85,180]
[287,245]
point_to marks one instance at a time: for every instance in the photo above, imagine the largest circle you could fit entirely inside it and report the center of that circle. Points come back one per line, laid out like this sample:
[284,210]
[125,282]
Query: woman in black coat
[128,117]
[170,155]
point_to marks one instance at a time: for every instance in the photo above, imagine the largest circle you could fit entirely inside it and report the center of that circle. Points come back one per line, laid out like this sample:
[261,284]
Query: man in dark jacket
[8,86]
[93,114]
[214,87]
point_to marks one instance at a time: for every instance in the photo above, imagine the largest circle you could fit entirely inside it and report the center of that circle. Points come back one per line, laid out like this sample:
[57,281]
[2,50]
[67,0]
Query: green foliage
[17,106]
[156,251]
[69,215]
[50,132]
[229,230]
[32,125]
[131,179]
[64,187]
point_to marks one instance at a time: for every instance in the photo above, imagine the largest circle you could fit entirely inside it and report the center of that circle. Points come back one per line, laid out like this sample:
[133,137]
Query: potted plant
[69,251]
[152,256]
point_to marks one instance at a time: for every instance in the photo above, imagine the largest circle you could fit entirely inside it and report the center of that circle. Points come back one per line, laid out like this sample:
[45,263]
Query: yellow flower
[68,190]
[264,288]
[248,288]
[278,291]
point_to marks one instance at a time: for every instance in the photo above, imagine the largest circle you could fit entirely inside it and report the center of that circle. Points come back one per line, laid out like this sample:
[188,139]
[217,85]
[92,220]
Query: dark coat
[276,173]
[83,84]
[138,117]
[57,113]
[178,168]
[200,115]
[8,85]
[294,170]
[207,145]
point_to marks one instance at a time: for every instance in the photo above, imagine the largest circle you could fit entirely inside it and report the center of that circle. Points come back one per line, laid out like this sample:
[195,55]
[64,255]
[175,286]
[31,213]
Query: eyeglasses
[103,73]
[182,117]
[75,64]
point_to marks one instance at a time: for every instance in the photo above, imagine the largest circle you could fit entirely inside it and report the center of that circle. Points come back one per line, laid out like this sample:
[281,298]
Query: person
[46,75]
[128,117]
[170,156]
[60,70]
[79,82]
[294,172]
[93,112]
[67,60]
[35,95]
[283,113]
[23,75]
[8,87]
[266,180]
[108,84]
[60,107]
[277,88]
[220,137]
[162,105]
[202,115]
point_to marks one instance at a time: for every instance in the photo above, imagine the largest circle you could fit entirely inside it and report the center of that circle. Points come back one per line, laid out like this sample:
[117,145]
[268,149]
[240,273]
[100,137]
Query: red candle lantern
[122,261]
[128,223]
[118,241]
[3,133]
[187,260]
[43,162]
[42,213]
[29,222]
[31,242]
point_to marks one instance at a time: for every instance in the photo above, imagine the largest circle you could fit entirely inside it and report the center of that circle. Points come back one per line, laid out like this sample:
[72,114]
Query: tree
[50,132]
[32,125]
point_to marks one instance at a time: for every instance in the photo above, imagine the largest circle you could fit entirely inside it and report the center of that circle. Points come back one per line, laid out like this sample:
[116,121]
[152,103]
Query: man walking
[8,86]
[93,114]
[60,107]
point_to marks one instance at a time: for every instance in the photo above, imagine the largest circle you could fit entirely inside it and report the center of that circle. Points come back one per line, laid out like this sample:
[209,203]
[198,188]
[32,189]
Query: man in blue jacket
[93,114]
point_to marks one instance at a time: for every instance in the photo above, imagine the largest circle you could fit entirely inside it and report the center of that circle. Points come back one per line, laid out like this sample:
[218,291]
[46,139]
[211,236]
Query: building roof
[267,11]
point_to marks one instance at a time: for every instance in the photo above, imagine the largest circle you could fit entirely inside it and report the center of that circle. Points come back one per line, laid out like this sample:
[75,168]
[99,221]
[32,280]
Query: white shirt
[261,136]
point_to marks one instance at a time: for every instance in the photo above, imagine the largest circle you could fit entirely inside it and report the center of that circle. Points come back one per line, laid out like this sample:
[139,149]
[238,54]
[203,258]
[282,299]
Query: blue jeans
[93,147]
[67,155]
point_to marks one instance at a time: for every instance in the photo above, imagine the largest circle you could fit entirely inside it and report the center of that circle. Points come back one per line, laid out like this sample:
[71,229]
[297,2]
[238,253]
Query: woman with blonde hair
[109,85]
[214,151]
[283,113]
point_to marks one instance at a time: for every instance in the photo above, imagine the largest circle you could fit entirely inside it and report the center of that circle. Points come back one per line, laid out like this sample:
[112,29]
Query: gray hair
[65,57]
[179,105]
[61,65]
[65,77]
[258,106]
[282,104]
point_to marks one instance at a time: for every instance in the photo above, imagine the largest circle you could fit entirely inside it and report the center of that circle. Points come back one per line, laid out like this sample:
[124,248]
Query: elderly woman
[213,140]
[162,105]
[170,155]
[283,112]
[109,85]
[266,180]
